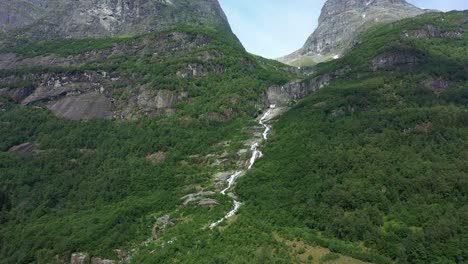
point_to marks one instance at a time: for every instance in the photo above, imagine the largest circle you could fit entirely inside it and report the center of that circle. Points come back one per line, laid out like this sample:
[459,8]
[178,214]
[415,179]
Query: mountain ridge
[38,19]
[120,149]
[340,22]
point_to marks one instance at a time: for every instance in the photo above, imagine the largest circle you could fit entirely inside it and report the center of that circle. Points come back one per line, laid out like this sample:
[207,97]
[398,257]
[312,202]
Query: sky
[274,28]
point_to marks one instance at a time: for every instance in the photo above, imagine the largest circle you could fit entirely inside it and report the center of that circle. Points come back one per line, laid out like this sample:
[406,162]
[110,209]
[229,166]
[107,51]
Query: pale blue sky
[273,28]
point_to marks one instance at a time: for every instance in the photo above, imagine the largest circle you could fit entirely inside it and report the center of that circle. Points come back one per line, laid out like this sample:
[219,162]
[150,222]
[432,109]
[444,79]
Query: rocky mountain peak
[341,21]
[39,19]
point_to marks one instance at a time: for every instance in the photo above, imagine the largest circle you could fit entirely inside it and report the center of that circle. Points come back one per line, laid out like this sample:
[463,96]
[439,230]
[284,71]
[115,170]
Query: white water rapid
[255,155]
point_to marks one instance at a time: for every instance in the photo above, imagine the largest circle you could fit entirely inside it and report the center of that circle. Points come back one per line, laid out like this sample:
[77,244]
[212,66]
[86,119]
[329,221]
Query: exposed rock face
[79,258]
[432,31]
[90,105]
[91,93]
[25,150]
[14,14]
[191,70]
[152,100]
[389,61]
[157,158]
[295,90]
[208,203]
[165,44]
[438,85]
[341,21]
[161,224]
[17,95]
[195,196]
[102,261]
[77,94]
[39,19]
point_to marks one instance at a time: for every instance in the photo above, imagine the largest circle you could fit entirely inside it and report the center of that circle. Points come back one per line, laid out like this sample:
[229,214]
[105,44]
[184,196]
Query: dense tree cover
[391,175]
[92,187]
[372,166]
[377,158]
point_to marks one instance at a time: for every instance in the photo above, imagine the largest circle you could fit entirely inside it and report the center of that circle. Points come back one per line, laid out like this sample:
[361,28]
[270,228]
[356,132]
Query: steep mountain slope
[372,166]
[341,21]
[99,185]
[101,137]
[38,19]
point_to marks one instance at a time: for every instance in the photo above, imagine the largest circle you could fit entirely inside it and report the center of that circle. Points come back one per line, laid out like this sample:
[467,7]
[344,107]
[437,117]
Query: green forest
[93,186]
[372,167]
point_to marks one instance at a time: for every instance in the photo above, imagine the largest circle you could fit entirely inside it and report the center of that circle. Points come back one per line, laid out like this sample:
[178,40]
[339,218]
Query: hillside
[372,166]
[95,185]
[341,21]
[130,147]
[102,136]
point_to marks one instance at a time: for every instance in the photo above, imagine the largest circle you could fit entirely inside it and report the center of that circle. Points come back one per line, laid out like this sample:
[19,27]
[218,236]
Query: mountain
[341,21]
[39,19]
[369,168]
[82,59]
[103,134]
[175,145]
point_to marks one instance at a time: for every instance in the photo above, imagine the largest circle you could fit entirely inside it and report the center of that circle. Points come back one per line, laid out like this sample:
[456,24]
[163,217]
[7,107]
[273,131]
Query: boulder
[157,158]
[25,150]
[102,261]
[79,258]
[437,85]
[208,203]
[191,70]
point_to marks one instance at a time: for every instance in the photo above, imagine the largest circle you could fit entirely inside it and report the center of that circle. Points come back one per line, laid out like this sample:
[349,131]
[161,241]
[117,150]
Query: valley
[152,136]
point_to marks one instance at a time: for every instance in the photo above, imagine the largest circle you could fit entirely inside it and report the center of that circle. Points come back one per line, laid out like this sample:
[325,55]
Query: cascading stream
[255,155]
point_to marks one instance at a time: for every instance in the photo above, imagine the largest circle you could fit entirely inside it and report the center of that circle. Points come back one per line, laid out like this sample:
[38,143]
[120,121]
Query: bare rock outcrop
[208,203]
[64,92]
[296,90]
[149,100]
[157,158]
[438,84]
[389,61]
[17,95]
[164,44]
[25,150]
[432,31]
[96,260]
[90,105]
[196,196]
[79,258]
[40,19]
[191,70]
